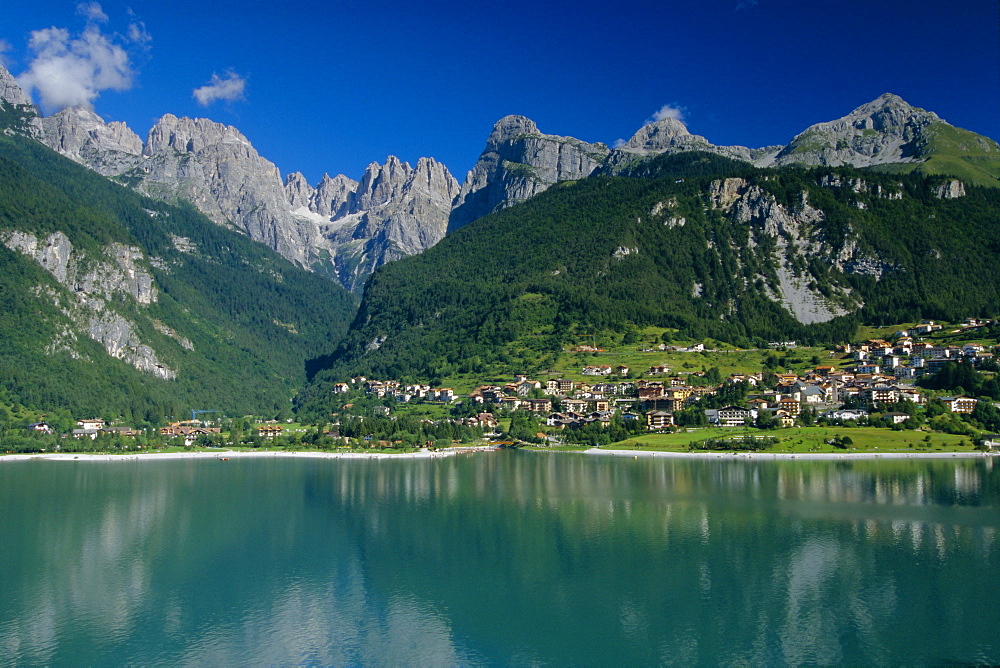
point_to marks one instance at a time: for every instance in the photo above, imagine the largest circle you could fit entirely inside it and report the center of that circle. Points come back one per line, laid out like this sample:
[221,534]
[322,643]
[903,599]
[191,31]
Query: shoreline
[224,455]
[787,455]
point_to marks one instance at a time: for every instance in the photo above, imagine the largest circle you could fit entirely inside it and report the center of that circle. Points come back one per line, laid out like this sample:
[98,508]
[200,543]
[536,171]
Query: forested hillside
[226,323]
[708,246]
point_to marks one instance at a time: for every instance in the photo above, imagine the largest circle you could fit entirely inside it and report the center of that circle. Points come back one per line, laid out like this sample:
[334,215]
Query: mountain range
[128,307]
[345,228]
[140,269]
[702,246]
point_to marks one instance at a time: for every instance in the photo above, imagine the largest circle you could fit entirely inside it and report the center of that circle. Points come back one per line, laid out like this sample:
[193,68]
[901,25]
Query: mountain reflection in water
[507,557]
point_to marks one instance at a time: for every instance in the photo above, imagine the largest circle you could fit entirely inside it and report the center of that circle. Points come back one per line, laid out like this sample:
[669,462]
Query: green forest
[250,317]
[511,289]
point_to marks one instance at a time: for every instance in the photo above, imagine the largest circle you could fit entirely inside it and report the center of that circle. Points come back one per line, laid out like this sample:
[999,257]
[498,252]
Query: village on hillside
[873,383]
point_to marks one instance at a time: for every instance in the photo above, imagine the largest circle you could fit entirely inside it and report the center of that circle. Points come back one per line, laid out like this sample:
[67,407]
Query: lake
[500,558]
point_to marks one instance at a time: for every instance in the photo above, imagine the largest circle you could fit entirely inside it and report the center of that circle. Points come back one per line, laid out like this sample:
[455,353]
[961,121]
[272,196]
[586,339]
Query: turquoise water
[500,558]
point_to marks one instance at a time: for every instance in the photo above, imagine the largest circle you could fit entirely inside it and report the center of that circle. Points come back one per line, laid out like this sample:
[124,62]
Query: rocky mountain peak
[435,179]
[519,162]
[380,184]
[83,136]
[298,191]
[190,135]
[332,194]
[659,136]
[885,130]
[511,127]
[10,91]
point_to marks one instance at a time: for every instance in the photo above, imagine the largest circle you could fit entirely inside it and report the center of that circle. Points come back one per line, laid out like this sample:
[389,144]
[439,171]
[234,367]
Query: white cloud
[618,143]
[69,71]
[5,46]
[229,88]
[92,11]
[137,34]
[667,111]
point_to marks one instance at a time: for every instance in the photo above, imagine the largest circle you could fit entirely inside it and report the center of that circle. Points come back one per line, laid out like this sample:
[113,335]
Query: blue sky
[331,86]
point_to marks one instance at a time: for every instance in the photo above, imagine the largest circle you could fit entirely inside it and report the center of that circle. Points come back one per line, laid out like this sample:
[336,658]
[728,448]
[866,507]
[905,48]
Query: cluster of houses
[907,359]
[86,429]
[396,390]
[880,376]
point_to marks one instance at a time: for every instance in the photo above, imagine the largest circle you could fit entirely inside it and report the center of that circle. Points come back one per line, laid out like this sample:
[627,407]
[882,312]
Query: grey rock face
[797,235]
[331,195]
[886,130]
[217,169]
[81,135]
[394,211]
[671,136]
[13,96]
[950,189]
[520,162]
[298,192]
[93,283]
[341,228]
[11,92]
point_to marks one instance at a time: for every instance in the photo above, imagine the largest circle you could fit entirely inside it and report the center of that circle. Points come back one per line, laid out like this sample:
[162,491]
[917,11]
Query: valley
[664,283]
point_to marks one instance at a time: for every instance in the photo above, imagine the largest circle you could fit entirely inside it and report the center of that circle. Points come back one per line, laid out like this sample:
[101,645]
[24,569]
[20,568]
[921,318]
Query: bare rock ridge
[10,92]
[395,210]
[346,229]
[671,136]
[886,130]
[80,134]
[218,170]
[341,228]
[520,162]
[95,285]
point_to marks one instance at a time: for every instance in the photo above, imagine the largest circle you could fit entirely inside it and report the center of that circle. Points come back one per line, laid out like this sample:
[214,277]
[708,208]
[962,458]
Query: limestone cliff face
[10,92]
[13,98]
[797,234]
[83,136]
[671,136]
[394,210]
[331,195]
[520,162]
[329,198]
[93,285]
[217,169]
[886,130]
[342,228]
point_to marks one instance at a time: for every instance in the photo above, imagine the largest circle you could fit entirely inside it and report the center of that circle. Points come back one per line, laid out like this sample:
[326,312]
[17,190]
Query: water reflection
[500,558]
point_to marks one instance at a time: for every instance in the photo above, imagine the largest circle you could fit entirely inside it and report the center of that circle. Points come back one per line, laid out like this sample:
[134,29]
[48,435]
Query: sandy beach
[788,455]
[239,454]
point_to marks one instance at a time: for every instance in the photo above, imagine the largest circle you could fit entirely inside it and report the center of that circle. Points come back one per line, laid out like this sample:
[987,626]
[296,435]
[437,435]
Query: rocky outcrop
[92,285]
[83,136]
[520,162]
[331,195]
[797,235]
[217,169]
[950,189]
[342,228]
[20,113]
[394,211]
[670,135]
[886,130]
[10,92]
[329,198]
